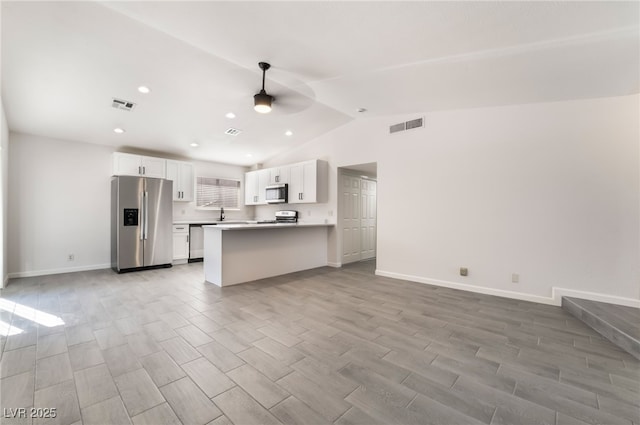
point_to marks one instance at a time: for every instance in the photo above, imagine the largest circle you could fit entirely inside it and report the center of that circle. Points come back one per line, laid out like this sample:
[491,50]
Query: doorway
[357,212]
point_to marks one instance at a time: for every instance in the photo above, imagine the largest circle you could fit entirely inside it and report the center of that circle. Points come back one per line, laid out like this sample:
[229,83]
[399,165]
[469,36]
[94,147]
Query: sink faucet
[221,213]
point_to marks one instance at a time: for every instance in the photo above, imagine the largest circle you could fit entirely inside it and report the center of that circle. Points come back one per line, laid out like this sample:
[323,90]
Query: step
[619,324]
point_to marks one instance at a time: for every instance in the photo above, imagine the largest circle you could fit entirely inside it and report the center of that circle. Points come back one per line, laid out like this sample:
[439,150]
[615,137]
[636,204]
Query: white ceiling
[62,62]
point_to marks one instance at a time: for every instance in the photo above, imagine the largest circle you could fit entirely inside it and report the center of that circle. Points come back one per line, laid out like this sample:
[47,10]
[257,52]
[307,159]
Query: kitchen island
[238,253]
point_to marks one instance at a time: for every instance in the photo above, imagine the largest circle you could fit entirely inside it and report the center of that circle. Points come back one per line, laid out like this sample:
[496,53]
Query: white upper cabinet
[256,183]
[182,174]
[308,182]
[279,175]
[125,164]
[251,188]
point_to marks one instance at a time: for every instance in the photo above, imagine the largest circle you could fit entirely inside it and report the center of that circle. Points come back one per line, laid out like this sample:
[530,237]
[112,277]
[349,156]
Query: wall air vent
[396,128]
[125,105]
[232,131]
[419,122]
[408,125]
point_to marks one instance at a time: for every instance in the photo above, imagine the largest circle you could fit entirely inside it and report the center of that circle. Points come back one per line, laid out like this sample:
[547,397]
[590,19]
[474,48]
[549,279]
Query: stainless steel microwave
[277,194]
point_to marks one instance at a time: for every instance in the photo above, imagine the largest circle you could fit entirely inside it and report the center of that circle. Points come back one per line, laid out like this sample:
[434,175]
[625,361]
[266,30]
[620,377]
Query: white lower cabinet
[180,243]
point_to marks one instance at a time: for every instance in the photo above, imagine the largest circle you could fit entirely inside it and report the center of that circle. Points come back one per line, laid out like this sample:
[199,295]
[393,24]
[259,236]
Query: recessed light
[248,155]
[230,115]
[144,89]
[361,110]
[118,130]
[288,133]
[194,145]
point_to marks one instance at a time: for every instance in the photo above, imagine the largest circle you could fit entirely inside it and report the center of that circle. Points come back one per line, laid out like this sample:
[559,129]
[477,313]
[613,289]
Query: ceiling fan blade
[288,101]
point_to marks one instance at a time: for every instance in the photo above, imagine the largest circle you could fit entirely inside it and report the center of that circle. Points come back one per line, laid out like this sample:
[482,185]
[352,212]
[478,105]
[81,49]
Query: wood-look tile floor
[322,346]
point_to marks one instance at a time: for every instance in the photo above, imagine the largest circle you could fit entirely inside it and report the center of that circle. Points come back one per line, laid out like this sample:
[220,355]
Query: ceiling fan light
[262,102]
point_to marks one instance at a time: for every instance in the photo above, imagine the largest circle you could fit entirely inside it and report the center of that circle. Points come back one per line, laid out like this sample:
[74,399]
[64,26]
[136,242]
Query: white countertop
[208,221]
[253,226]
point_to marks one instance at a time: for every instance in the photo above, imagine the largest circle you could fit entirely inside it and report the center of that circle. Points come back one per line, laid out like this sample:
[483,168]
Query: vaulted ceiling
[64,62]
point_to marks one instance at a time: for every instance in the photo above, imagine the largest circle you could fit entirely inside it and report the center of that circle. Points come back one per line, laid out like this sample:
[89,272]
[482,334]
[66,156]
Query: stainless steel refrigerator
[141,223]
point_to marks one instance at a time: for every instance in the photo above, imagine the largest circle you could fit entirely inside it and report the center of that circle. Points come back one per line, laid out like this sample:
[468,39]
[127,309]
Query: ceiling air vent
[125,105]
[232,131]
[408,125]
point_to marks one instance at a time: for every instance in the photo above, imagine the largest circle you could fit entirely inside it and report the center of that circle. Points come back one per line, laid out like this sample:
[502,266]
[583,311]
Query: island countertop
[254,225]
[212,222]
[262,250]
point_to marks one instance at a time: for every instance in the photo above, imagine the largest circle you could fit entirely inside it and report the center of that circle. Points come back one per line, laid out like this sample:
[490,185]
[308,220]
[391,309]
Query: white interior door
[368,219]
[350,219]
[358,217]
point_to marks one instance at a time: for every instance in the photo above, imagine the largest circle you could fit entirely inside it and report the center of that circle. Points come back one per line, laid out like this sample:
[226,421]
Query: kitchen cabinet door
[182,175]
[251,188]
[180,243]
[303,182]
[263,182]
[153,167]
[125,164]
[255,184]
[279,175]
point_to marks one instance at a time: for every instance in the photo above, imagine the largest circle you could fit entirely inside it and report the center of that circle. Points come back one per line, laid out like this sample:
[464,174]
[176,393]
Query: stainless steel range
[284,216]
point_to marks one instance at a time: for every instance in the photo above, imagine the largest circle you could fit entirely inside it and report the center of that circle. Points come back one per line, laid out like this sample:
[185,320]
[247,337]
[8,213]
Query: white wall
[549,191]
[59,197]
[59,204]
[4,191]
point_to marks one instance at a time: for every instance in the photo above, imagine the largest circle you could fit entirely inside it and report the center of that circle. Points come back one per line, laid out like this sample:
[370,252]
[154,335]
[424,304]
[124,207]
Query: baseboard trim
[555,298]
[330,264]
[471,288]
[35,273]
[558,293]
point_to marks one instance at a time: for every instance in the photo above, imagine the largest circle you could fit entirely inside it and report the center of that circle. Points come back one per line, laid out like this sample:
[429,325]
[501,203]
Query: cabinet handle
[277,179]
[144,170]
[139,170]
[300,196]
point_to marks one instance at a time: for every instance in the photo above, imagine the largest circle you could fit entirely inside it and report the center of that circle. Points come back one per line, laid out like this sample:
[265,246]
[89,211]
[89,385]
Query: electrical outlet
[330,213]
[515,278]
[71,257]
[183,212]
[464,271]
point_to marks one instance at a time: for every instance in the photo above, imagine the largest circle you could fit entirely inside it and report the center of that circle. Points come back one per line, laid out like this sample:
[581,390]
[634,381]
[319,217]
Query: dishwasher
[196,243]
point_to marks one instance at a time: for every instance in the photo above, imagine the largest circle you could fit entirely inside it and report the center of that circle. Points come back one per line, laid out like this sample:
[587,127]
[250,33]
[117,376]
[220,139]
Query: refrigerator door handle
[145,207]
[141,216]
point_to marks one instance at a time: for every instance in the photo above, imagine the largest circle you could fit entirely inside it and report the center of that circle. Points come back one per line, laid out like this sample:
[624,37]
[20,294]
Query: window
[216,193]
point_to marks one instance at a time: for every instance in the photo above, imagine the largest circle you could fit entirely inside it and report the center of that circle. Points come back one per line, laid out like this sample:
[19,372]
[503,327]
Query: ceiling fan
[293,97]
[262,101]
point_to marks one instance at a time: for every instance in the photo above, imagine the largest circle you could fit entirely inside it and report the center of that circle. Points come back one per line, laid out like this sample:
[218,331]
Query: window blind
[213,192]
